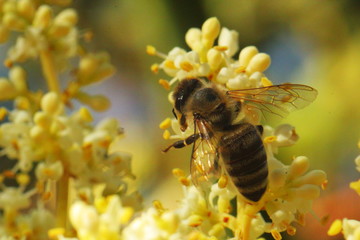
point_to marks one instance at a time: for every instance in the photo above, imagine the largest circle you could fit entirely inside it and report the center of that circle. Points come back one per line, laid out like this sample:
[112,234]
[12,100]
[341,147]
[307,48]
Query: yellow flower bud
[43,17]
[195,220]
[210,31]
[22,179]
[85,114]
[105,71]
[298,167]
[277,178]
[42,119]
[215,58]
[97,102]
[67,17]
[38,134]
[4,33]
[193,38]
[259,63]
[246,54]
[3,113]
[59,30]
[14,22]
[51,103]
[307,191]
[17,76]
[316,177]
[22,102]
[87,67]
[26,8]
[7,89]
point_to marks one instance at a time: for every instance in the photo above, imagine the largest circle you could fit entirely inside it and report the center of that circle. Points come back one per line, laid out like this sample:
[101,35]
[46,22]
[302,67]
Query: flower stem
[49,71]
[62,197]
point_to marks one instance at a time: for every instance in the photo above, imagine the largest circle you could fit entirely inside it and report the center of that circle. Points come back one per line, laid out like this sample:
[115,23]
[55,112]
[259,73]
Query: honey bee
[221,143]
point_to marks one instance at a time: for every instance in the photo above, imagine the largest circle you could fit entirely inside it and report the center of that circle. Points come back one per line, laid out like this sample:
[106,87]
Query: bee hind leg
[183,143]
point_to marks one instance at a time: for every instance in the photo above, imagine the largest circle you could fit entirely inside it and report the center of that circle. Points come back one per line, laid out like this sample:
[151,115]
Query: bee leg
[183,143]
[260,128]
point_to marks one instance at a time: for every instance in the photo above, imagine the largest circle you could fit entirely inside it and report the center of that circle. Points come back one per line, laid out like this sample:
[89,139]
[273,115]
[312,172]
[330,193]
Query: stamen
[165,84]
[166,123]
[335,228]
[266,82]
[186,66]
[221,48]
[155,68]
[166,134]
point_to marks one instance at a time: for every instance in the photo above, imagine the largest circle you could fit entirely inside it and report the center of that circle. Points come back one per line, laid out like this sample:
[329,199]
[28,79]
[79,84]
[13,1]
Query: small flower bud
[26,8]
[23,179]
[97,102]
[215,58]
[7,89]
[195,220]
[67,17]
[17,76]
[277,178]
[298,167]
[12,21]
[83,216]
[42,119]
[230,40]
[46,171]
[307,191]
[38,134]
[43,17]
[22,102]
[4,33]
[210,31]
[193,38]
[51,103]
[210,28]
[259,63]
[316,177]
[59,30]
[246,54]
[85,115]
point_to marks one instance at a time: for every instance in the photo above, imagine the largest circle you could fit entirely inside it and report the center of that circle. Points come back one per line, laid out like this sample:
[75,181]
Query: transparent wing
[204,164]
[276,99]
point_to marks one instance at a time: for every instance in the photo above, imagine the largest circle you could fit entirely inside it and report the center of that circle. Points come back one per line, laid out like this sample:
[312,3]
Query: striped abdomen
[245,160]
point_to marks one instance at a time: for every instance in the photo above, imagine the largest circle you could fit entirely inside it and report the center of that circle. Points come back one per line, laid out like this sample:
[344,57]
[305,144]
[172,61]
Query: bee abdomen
[245,160]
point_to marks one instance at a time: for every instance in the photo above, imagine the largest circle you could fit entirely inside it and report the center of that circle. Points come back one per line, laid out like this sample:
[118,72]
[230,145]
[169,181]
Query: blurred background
[310,42]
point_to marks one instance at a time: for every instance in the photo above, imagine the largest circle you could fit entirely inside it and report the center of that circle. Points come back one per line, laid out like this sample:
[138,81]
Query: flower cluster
[61,164]
[349,227]
[224,213]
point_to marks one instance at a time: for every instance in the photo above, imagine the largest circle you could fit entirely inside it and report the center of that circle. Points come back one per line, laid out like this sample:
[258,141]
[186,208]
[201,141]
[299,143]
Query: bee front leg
[182,143]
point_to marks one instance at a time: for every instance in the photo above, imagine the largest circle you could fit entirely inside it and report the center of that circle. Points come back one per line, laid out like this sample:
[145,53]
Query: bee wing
[204,164]
[276,99]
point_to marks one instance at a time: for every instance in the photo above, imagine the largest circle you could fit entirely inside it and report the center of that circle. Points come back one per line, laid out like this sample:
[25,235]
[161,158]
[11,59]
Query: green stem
[49,71]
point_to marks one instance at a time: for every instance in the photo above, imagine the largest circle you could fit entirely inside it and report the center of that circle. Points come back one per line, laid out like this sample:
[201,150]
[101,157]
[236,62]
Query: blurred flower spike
[64,174]
[223,213]
[349,227]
